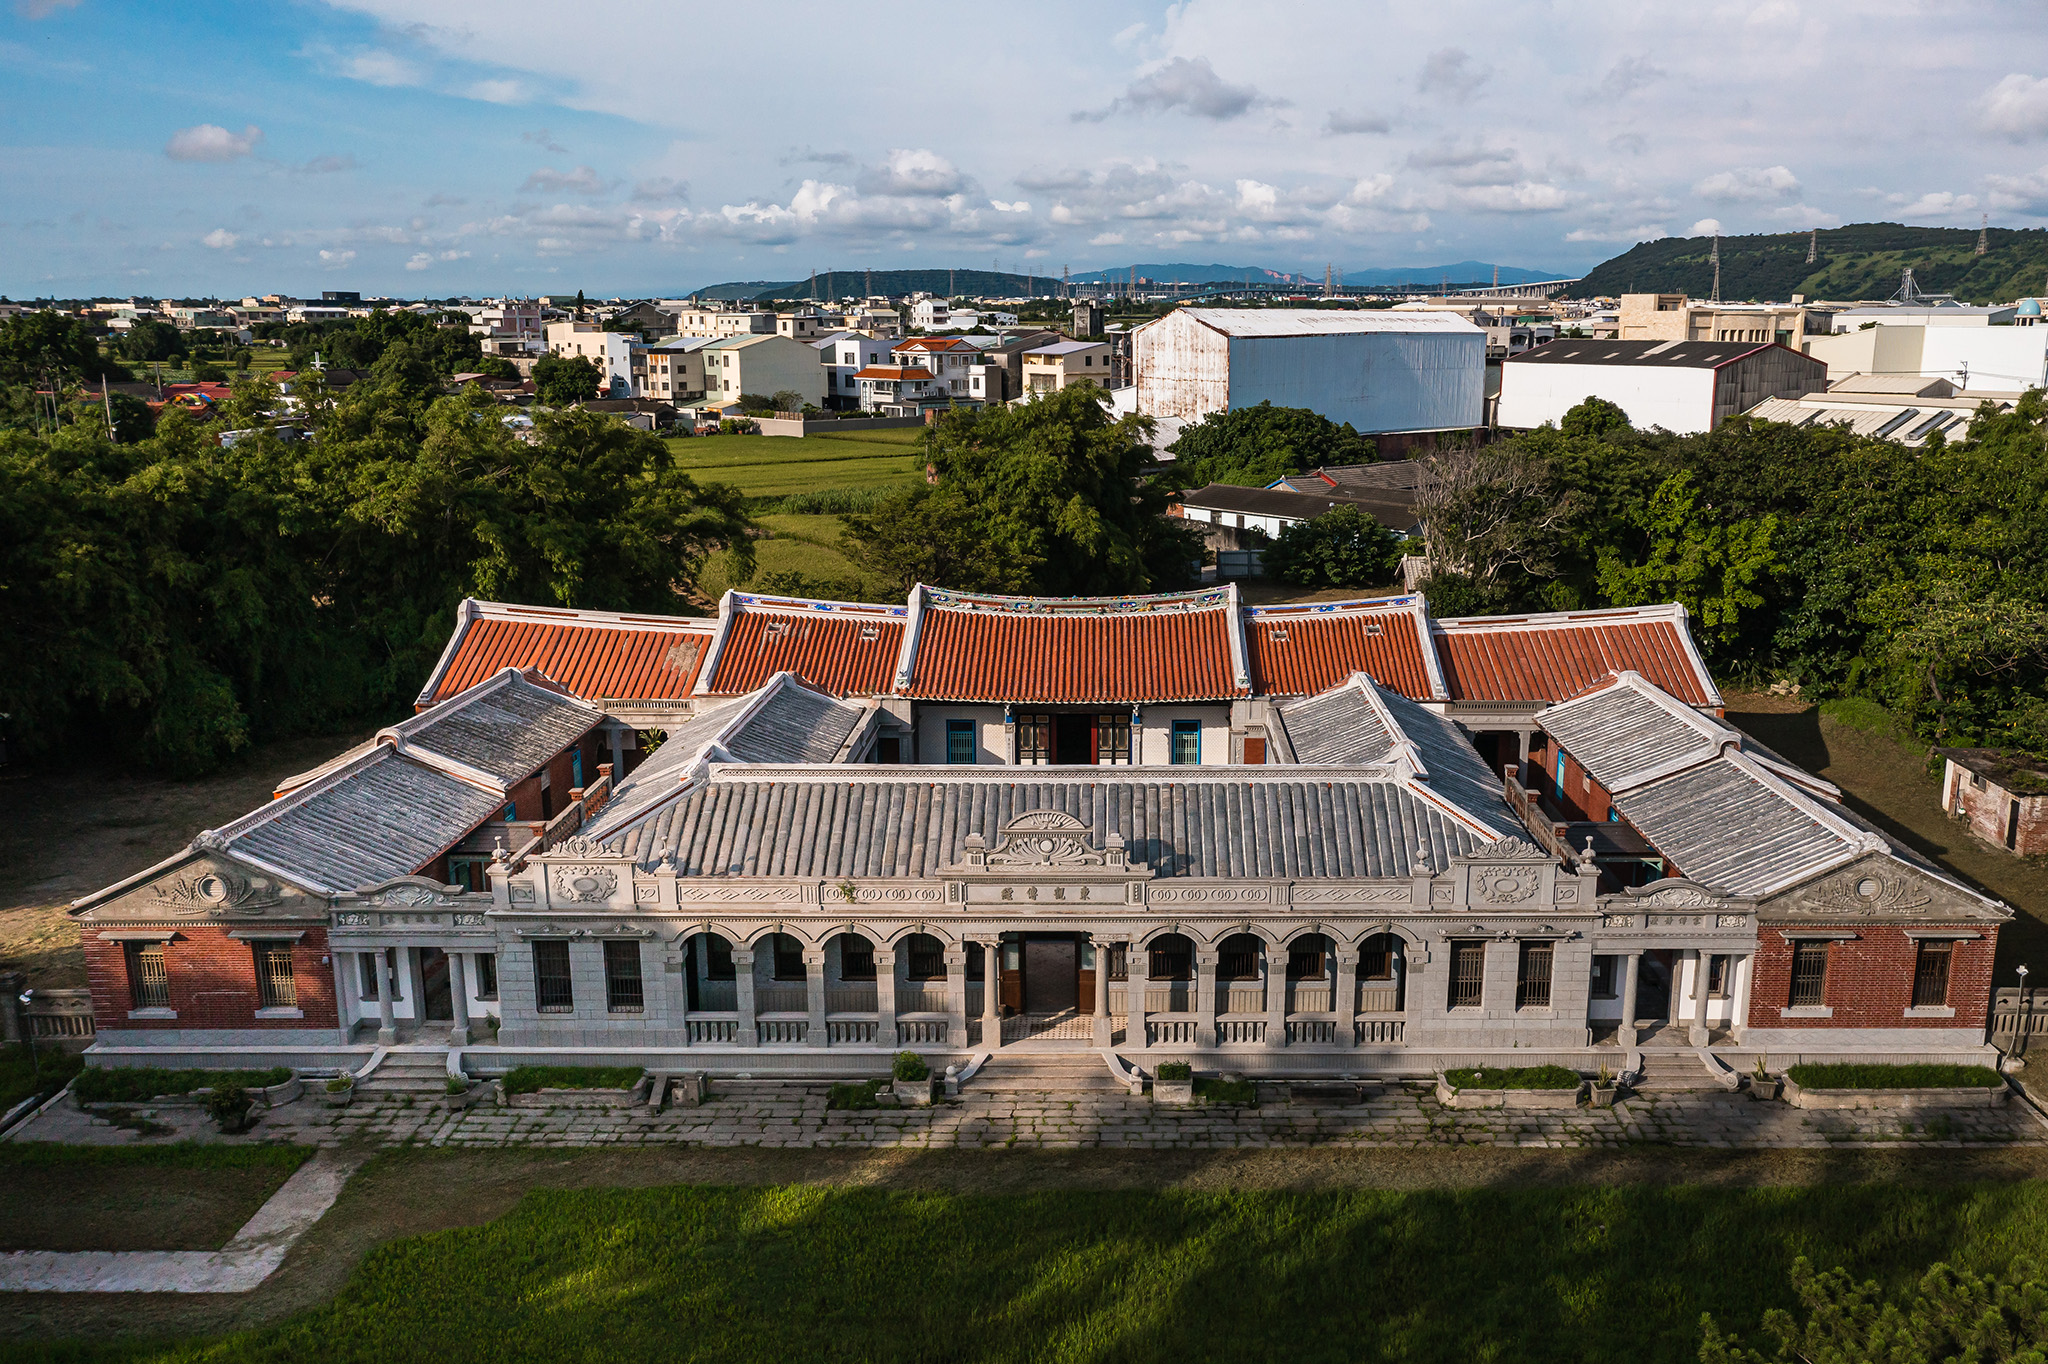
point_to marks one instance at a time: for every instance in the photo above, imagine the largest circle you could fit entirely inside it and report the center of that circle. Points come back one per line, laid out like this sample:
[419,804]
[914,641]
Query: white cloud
[660,190]
[1449,71]
[2016,108]
[1642,232]
[375,66]
[420,261]
[2019,193]
[497,91]
[211,142]
[1190,85]
[41,9]
[582,180]
[335,260]
[1629,75]
[1706,227]
[913,172]
[1341,122]
[545,140]
[1749,185]
[220,239]
[1019,206]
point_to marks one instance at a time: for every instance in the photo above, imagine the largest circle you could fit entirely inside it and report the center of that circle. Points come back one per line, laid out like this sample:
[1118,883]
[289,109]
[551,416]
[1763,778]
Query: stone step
[1673,1073]
[1023,1072]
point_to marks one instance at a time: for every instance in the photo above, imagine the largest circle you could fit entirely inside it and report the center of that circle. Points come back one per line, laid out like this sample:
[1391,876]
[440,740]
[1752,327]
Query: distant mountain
[1860,261]
[1009,284]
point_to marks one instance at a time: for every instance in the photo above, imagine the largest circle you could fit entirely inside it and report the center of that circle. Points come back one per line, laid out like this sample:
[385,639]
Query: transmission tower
[870,286]
[1326,281]
[814,286]
[949,282]
[1812,245]
[1716,258]
[1066,283]
[1984,236]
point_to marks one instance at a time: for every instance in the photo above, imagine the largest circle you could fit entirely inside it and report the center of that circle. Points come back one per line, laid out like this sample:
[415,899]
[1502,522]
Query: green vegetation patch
[1175,1070]
[533,1079]
[865,1094]
[137,1084]
[181,1155]
[809,1272]
[1241,1092]
[1895,1077]
[41,1075]
[1513,1077]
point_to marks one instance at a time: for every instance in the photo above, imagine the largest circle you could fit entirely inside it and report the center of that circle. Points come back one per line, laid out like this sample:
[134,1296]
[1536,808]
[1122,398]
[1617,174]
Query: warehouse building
[1682,386]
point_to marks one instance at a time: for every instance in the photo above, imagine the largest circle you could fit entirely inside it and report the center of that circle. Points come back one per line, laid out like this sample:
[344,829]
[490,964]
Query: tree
[36,347]
[787,400]
[1253,446]
[1696,555]
[1344,547]
[497,367]
[558,382]
[1045,497]
[1950,1315]
[150,339]
[1486,509]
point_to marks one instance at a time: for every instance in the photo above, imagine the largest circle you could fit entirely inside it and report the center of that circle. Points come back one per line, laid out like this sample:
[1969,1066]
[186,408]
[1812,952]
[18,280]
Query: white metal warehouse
[1382,372]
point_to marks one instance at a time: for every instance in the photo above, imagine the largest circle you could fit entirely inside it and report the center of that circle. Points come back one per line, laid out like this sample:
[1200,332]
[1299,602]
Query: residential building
[315,312]
[1294,841]
[711,319]
[1675,317]
[950,360]
[611,352]
[931,314]
[1237,517]
[762,364]
[882,323]
[807,324]
[999,377]
[900,390]
[2001,796]
[1900,407]
[1682,386]
[1972,357]
[844,355]
[670,371]
[1379,371]
[1389,489]
[1088,317]
[508,325]
[1048,369]
[647,319]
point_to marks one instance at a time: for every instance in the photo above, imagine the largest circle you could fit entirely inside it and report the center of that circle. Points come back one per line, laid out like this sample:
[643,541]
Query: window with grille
[1468,974]
[149,983]
[1120,962]
[1172,959]
[1305,963]
[1376,959]
[552,993]
[1717,976]
[789,958]
[960,741]
[927,958]
[486,975]
[622,989]
[1809,974]
[1034,740]
[1239,959]
[1112,740]
[717,957]
[856,959]
[1930,973]
[1187,742]
[275,988]
[1532,977]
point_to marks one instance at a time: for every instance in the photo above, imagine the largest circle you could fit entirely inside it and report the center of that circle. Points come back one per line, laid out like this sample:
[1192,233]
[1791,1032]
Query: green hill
[1860,261]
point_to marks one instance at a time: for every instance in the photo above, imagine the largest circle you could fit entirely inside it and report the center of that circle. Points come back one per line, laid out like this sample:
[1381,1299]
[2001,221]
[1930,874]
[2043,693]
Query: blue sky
[427,147]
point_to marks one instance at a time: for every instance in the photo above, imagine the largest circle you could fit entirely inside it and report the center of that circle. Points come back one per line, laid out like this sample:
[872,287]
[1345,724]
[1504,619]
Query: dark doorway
[1653,987]
[1500,748]
[434,985]
[1051,975]
[1073,743]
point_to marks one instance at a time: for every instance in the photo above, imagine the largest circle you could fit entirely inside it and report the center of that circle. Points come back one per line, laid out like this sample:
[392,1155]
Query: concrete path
[246,1261]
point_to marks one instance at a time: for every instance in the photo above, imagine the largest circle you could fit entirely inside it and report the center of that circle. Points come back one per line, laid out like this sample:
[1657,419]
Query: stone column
[1702,961]
[992,994]
[1344,997]
[1276,994]
[814,999]
[885,997]
[618,738]
[1136,1034]
[1105,1026]
[1631,970]
[458,997]
[748,1033]
[1206,960]
[1741,970]
[956,996]
[387,1023]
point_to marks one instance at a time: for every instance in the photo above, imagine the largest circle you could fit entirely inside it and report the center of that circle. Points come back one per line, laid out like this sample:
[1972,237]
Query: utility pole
[870,286]
[1066,284]
[1496,279]
[814,286]
[108,403]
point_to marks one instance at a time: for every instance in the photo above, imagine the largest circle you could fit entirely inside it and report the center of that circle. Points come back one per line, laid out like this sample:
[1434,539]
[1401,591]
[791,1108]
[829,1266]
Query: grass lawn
[42,1072]
[807,1272]
[776,466]
[803,544]
[179,1197]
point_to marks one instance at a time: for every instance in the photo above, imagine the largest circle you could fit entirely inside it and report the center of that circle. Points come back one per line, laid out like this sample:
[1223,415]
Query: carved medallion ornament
[1506,885]
[585,885]
[1868,893]
[1049,840]
[408,895]
[215,891]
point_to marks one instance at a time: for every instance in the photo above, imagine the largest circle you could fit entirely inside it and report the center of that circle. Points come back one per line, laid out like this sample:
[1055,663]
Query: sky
[431,148]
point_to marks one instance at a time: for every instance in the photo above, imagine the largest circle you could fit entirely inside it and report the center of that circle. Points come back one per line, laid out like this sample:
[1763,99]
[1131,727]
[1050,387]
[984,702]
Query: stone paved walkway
[757,1113]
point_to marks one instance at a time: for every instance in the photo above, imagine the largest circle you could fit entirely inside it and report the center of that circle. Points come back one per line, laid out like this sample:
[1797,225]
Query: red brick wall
[1870,980]
[1584,798]
[1987,812]
[561,777]
[212,981]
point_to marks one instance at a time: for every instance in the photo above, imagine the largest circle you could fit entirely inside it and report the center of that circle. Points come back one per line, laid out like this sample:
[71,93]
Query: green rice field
[776,466]
[801,1273]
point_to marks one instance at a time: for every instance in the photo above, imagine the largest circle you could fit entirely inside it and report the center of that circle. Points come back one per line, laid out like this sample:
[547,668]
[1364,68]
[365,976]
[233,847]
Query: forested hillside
[1860,261]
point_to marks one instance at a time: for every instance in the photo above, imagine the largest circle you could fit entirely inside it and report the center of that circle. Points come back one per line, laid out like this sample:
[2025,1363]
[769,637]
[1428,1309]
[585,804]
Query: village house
[1317,839]
[2002,797]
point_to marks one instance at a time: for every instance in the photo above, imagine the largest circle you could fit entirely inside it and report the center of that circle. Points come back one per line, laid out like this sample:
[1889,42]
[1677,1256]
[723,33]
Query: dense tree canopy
[1045,497]
[559,382]
[1252,446]
[176,598]
[1344,547]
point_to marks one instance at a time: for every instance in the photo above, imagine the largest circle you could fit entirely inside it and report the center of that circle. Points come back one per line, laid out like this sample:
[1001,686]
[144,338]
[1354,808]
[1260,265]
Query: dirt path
[415,1192]
[66,834]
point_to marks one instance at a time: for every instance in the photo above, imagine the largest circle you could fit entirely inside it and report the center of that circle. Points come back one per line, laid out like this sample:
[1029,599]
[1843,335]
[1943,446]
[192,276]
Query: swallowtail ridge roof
[597,655]
[1304,650]
[1556,656]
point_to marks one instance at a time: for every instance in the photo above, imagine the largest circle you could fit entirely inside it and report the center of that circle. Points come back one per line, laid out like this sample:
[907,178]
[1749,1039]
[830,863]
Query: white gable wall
[1679,400]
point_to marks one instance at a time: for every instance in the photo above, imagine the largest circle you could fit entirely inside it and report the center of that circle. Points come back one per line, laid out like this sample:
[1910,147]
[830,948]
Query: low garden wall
[1524,1087]
[1909,1086]
[800,426]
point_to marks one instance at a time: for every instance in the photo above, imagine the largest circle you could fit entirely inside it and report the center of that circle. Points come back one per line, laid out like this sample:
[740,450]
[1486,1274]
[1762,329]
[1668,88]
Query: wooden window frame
[486,974]
[1933,966]
[788,960]
[922,963]
[1535,969]
[147,989]
[277,987]
[856,963]
[1813,983]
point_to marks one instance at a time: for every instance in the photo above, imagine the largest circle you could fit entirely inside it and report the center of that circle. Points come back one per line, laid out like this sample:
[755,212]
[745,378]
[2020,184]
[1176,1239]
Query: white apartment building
[611,352]
[763,365]
[712,320]
[670,371]
[931,314]
[949,359]
[1051,368]
[843,355]
[509,324]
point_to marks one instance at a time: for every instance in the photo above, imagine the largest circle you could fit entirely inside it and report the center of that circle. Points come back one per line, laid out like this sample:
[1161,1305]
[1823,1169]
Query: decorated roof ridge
[754,601]
[1413,605]
[941,774]
[1550,620]
[580,615]
[1199,599]
[1406,602]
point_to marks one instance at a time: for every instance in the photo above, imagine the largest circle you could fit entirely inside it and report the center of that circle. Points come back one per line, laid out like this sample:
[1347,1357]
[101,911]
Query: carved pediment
[1049,841]
[1507,849]
[409,892]
[1673,892]
[1880,887]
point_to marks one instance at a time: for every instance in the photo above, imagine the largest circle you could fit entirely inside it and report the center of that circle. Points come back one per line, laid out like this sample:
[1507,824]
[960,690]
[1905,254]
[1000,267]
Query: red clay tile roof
[844,652]
[591,654]
[894,372]
[1304,650]
[1079,651]
[1557,656]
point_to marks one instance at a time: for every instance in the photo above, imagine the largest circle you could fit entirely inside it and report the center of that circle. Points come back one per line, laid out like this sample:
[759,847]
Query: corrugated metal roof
[1303,650]
[594,654]
[1661,354]
[845,653]
[799,822]
[1250,322]
[1076,651]
[381,816]
[1551,657]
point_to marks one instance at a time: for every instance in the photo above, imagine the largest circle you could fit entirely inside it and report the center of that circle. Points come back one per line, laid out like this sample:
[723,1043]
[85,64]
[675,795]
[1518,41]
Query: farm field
[776,466]
[1076,1270]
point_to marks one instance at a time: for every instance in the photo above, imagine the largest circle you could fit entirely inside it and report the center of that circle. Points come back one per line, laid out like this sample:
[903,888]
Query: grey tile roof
[1337,726]
[1619,731]
[381,816]
[914,823]
[1455,771]
[1730,825]
[505,726]
[796,725]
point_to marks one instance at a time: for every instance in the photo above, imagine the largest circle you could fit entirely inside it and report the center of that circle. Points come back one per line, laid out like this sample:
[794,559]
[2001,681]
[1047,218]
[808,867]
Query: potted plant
[462,1092]
[912,1079]
[1602,1093]
[338,1091]
[1761,1083]
[230,1107]
[1173,1083]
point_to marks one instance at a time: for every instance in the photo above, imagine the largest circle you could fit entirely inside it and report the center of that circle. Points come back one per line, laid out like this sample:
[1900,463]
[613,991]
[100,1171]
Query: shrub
[1513,1077]
[1895,1077]
[1341,548]
[457,1086]
[1241,1092]
[865,1094]
[910,1066]
[229,1105]
[137,1084]
[738,426]
[533,1079]
[341,1084]
[1175,1071]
